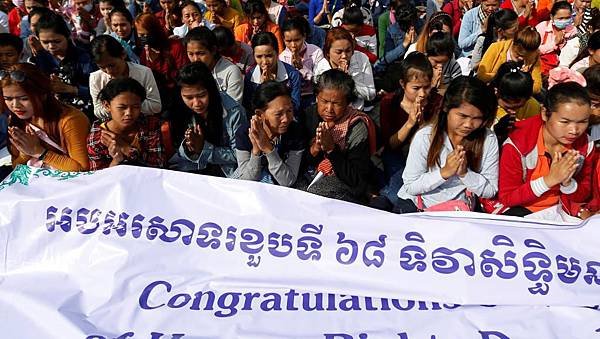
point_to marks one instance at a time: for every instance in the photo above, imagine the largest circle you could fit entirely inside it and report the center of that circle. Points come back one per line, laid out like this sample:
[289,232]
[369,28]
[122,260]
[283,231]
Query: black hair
[106,44]
[414,64]
[255,6]
[353,16]
[224,36]
[592,78]
[502,19]
[39,11]
[114,3]
[593,43]
[124,12]
[53,22]
[198,74]
[461,90]
[352,3]
[438,20]
[44,3]
[564,93]
[202,35]
[7,39]
[336,79]
[267,92]
[296,23]
[560,5]
[406,15]
[121,85]
[512,83]
[186,3]
[440,43]
[265,38]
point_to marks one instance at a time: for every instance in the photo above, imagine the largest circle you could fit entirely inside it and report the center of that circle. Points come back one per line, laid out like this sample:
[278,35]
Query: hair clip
[514,70]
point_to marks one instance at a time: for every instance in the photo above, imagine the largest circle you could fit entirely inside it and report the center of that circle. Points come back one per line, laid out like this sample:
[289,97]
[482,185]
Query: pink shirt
[548,35]
[311,57]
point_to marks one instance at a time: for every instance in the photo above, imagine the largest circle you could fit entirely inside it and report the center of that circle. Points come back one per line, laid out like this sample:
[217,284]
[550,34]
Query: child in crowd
[270,149]
[11,49]
[548,159]
[514,89]
[456,156]
[127,137]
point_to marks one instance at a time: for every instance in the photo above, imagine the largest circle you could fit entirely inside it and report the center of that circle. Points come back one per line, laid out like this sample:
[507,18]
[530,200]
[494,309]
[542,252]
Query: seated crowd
[489,106]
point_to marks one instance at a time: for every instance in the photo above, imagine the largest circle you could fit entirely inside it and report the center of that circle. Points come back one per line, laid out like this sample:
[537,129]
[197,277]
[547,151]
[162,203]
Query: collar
[280,77]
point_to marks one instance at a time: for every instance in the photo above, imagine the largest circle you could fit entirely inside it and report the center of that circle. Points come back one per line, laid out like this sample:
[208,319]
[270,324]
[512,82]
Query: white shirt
[274,10]
[141,73]
[362,73]
[420,180]
[229,78]
[3,22]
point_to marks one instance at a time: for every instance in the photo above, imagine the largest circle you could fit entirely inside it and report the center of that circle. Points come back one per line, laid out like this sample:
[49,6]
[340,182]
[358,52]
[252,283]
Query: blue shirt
[315,6]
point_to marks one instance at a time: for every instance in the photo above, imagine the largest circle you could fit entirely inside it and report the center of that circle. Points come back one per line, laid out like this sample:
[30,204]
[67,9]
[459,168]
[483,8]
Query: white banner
[142,253]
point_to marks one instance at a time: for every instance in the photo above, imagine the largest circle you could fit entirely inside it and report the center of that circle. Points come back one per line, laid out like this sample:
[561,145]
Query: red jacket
[523,21]
[453,9]
[14,20]
[519,158]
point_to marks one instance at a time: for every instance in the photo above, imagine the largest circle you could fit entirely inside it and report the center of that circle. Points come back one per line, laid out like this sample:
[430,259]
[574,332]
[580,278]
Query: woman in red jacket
[548,159]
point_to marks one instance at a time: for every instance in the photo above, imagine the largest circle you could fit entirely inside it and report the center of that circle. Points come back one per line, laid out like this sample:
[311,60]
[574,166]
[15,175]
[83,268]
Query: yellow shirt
[74,128]
[496,55]
[230,19]
[530,109]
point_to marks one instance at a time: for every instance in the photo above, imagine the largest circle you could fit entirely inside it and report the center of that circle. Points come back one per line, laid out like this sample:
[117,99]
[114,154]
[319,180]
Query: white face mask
[88,7]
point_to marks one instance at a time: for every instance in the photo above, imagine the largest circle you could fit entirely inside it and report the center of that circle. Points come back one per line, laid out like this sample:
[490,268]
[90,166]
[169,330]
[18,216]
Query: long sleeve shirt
[222,155]
[311,56]
[280,166]
[548,36]
[362,74]
[141,73]
[229,79]
[470,29]
[73,128]
[315,6]
[429,183]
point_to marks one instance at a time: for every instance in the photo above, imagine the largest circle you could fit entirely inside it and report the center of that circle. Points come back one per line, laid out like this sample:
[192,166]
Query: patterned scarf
[339,132]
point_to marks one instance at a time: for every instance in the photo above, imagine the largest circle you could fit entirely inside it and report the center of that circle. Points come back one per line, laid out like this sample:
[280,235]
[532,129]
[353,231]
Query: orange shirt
[542,168]
[243,33]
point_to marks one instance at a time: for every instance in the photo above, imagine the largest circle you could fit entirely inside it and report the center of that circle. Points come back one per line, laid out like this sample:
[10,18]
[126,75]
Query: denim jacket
[234,116]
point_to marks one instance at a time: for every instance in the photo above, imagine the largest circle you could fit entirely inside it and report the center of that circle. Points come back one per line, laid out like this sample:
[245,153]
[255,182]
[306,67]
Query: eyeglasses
[18,76]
